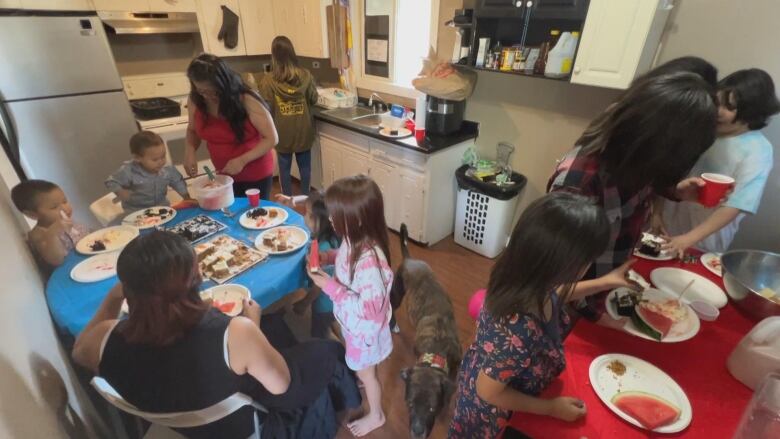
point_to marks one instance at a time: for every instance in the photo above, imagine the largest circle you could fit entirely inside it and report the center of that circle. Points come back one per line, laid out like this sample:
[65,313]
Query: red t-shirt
[223,146]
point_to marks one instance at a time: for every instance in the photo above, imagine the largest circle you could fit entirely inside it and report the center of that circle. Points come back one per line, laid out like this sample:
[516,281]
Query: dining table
[698,365]
[72,304]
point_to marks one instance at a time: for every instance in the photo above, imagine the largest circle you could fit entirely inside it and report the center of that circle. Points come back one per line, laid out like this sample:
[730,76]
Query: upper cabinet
[619,41]
[304,22]
[258,25]
[51,5]
[499,8]
[210,19]
[560,9]
[146,5]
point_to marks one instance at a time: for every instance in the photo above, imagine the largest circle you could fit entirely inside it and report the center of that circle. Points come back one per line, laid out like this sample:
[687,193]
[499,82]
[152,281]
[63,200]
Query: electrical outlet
[315,64]
[267,67]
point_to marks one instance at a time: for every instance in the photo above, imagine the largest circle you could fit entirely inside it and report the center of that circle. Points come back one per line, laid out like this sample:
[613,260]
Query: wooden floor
[461,272]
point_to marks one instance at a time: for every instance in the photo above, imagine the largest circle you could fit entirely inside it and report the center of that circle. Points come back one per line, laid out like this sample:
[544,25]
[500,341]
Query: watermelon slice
[649,410]
[652,323]
[225,307]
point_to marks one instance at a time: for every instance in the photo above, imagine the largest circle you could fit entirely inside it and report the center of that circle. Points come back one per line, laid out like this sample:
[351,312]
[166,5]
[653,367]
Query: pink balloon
[476,302]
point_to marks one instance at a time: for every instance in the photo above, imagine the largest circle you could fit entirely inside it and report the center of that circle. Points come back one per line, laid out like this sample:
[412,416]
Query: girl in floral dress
[518,349]
[361,285]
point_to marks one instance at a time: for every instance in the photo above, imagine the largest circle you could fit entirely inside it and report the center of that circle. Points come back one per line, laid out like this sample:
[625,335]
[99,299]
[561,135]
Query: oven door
[175,136]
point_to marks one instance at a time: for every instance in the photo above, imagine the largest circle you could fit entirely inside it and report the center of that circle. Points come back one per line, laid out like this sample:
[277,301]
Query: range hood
[150,22]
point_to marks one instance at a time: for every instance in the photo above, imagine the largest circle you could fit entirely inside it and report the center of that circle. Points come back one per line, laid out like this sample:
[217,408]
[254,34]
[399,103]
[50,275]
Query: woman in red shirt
[235,124]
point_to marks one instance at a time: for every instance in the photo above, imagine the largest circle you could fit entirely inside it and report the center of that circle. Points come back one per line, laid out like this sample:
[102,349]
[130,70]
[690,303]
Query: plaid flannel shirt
[580,173]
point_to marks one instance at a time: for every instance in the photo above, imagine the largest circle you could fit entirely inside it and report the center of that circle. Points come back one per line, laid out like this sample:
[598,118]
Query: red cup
[714,189]
[254,197]
[419,135]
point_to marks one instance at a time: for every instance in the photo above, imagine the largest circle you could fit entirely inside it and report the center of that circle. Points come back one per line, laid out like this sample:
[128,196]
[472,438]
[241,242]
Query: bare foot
[366,424]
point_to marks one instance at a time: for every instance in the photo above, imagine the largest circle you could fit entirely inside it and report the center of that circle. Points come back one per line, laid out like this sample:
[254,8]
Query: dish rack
[336,98]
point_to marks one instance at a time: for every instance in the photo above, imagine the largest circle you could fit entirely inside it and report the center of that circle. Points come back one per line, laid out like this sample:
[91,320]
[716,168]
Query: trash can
[484,212]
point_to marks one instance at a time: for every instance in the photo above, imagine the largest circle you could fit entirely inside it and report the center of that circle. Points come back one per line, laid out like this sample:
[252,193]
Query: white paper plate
[674,280]
[114,238]
[636,277]
[400,133]
[249,223]
[155,218]
[680,331]
[663,256]
[95,268]
[707,258]
[298,238]
[228,293]
[643,377]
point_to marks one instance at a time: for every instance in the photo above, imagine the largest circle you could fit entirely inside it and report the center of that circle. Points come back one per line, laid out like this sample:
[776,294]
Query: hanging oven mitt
[229,30]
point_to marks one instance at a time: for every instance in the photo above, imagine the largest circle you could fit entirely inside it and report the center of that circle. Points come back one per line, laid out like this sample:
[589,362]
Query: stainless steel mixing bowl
[748,272]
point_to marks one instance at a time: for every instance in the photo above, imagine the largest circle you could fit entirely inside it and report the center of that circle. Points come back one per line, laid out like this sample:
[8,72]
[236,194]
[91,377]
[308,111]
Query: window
[392,37]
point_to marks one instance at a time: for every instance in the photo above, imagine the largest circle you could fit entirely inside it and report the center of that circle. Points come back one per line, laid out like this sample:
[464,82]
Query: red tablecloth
[698,365]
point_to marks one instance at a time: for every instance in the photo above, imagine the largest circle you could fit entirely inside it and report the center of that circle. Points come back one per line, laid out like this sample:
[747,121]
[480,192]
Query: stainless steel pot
[745,274]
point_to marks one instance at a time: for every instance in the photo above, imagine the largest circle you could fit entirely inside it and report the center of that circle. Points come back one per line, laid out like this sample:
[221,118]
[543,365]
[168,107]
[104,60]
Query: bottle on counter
[555,60]
[541,61]
[519,63]
[507,58]
[555,35]
[496,60]
[533,55]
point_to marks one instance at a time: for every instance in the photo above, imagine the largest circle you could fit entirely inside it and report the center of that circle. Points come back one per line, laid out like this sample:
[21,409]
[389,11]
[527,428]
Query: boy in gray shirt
[143,181]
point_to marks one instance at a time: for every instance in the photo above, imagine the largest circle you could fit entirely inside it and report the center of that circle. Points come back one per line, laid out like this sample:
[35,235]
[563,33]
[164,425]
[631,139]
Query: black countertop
[432,143]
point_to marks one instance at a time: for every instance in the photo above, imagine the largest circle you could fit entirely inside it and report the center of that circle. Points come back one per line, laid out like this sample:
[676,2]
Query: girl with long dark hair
[235,124]
[518,348]
[360,288]
[645,144]
[291,92]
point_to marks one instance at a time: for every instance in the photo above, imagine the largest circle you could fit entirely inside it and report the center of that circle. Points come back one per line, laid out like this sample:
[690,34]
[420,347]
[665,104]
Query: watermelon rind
[644,327]
[615,399]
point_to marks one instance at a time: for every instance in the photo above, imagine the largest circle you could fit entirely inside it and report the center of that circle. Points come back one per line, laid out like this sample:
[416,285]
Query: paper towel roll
[419,112]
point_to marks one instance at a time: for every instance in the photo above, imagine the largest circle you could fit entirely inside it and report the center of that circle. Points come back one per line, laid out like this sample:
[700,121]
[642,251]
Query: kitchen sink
[359,115]
[349,113]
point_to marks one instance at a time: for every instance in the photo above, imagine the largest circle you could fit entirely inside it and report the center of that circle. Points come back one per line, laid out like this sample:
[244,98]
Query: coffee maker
[443,116]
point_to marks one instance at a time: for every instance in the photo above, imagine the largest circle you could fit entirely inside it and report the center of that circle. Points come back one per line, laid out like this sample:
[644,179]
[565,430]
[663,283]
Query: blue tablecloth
[73,304]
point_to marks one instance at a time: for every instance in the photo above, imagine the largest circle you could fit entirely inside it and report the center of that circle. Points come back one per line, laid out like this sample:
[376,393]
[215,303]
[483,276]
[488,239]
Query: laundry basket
[484,212]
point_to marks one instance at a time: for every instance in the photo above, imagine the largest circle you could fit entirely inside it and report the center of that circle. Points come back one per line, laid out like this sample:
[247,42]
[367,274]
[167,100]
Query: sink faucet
[381,101]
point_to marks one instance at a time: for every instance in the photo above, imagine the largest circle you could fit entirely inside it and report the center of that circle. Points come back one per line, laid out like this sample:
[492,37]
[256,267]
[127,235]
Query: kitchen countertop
[432,143]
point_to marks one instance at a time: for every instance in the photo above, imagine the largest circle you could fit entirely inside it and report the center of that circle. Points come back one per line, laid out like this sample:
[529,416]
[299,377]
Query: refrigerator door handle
[9,138]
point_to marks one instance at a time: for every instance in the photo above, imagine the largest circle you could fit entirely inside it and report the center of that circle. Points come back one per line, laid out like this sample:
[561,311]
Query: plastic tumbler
[762,416]
[253,195]
[714,189]
[419,135]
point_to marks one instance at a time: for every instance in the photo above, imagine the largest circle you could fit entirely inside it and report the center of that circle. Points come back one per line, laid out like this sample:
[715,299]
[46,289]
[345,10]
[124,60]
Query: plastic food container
[213,195]
[705,311]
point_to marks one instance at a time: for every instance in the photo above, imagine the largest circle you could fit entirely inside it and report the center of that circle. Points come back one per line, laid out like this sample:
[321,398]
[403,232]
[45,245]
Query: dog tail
[404,233]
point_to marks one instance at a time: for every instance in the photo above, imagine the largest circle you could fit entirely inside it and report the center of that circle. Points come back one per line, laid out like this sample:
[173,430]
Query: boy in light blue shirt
[143,181]
[747,100]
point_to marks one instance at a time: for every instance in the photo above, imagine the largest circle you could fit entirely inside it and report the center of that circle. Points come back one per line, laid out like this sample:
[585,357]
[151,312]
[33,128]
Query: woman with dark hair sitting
[747,100]
[646,143]
[234,122]
[176,353]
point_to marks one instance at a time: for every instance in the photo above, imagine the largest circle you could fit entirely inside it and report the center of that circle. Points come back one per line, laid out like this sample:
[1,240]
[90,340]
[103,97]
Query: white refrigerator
[63,114]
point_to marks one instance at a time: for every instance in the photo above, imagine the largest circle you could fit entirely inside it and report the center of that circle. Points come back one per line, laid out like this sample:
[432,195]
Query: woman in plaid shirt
[645,144]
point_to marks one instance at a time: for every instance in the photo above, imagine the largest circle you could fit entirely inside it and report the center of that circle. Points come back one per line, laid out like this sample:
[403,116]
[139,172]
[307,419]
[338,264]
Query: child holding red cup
[739,161]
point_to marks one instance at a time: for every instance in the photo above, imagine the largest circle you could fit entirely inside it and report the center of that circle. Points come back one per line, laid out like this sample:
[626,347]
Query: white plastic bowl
[705,311]
[214,198]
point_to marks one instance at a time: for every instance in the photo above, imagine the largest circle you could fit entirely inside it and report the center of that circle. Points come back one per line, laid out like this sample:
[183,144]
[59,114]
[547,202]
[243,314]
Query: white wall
[38,397]
[735,35]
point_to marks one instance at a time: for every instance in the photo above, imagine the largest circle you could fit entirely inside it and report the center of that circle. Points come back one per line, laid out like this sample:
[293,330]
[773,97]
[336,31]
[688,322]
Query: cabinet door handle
[576,70]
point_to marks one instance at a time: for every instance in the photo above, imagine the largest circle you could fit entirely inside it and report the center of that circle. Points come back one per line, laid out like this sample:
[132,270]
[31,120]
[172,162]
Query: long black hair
[753,94]
[230,88]
[318,210]
[655,133]
[161,280]
[556,238]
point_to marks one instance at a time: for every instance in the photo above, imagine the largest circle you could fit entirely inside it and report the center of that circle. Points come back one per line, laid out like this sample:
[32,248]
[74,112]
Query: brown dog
[431,381]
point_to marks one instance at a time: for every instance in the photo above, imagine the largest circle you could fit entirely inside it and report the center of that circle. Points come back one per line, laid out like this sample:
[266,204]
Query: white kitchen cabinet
[331,161]
[172,6]
[258,25]
[304,22]
[210,22]
[419,189]
[386,177]
[50,5]
[619,41]
[122,5]
[412,202]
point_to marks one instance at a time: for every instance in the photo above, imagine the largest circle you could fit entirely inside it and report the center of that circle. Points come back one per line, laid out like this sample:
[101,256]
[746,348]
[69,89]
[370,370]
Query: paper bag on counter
[443,80]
